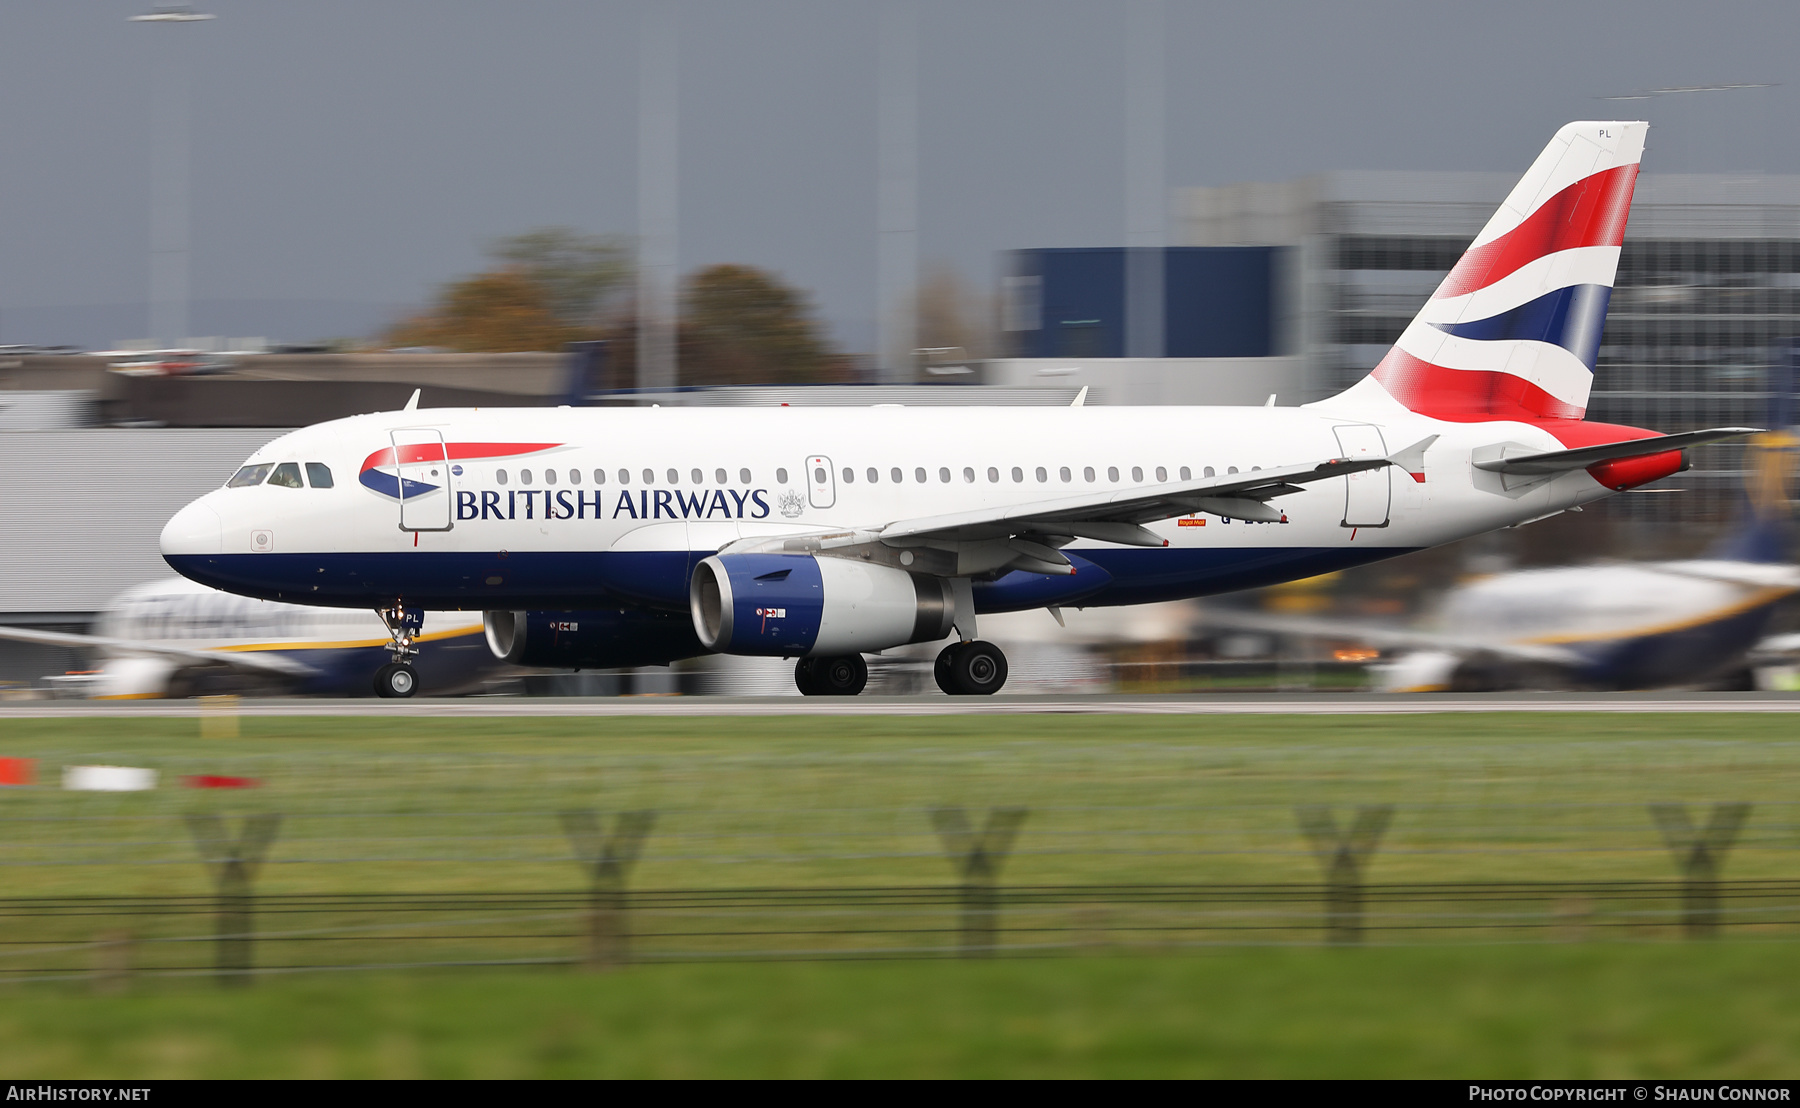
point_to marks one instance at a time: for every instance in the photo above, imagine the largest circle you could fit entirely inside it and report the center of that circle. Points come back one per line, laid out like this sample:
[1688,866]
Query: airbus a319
[626,537]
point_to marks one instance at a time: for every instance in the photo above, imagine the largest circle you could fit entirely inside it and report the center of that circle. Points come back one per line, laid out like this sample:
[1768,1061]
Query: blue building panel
[1219,302]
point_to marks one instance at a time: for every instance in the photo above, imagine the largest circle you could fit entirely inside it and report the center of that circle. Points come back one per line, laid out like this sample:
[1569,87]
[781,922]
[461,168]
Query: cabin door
[423,467]
[1366,494]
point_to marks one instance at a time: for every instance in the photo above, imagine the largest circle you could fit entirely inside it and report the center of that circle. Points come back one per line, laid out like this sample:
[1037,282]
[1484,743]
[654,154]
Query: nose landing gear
[398,679]
[970,669]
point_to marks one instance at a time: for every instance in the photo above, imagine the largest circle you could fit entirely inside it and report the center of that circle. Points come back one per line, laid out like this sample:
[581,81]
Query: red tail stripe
[1466,395]
[1590,212]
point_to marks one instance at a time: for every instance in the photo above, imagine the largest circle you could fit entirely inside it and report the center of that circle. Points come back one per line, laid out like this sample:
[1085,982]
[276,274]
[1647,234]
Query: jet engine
[799,605]
[590,640]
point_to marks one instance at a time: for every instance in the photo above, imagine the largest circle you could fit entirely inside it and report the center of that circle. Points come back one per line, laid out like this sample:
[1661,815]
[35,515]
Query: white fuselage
[573,506]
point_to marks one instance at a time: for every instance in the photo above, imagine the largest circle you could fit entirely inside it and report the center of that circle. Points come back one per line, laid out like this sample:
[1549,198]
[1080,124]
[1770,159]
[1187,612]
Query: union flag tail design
[1514,330]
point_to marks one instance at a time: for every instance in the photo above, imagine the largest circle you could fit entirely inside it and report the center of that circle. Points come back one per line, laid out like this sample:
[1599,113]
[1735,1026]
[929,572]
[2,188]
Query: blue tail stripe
[1571,318]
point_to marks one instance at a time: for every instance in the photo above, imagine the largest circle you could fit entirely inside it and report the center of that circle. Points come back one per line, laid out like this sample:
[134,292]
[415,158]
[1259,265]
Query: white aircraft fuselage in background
[177,638]
[631,536]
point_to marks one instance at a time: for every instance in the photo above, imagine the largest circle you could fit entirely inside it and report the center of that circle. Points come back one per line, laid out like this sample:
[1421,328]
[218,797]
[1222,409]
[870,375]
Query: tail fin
[1514,330]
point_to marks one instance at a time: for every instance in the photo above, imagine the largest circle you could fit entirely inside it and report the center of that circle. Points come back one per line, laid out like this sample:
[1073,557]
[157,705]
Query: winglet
[1080,400]
[413,404]
[1412,459]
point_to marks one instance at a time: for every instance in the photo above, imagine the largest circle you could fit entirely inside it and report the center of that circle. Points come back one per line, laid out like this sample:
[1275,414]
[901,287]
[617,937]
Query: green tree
[579,273]
[741,325]
[551,286]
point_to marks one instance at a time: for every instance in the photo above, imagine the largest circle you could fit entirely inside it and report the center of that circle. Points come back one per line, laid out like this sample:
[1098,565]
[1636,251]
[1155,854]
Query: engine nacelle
[798,605]
[590,640]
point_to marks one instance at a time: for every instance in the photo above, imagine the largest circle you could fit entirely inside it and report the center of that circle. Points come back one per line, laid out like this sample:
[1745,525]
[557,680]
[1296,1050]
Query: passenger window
[649,477]
[968,475]
[1018,475]
[287,475]
[1186,473]
[944,474]
[1064,474]
[699,477]
[874,475]
[1087,473]
[318,475]
[625,476]
[743,477]
[1230,469]
[1137,473]
[549,477]
[524,477]
[1162,473]
[1208,471]
[674,477]
[249,475]
[574,477]
[1112,474]
[1041,475]
[818,475]
[919,475]
[780,477]
[499,477]
[720,474]
[897,475]
[849,476]
[600,476]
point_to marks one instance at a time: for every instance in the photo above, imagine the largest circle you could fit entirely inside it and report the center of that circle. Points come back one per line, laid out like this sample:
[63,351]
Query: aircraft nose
[193,530]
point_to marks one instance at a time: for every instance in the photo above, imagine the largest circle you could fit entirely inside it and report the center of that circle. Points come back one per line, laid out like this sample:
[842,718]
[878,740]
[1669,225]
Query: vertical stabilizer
[1514,330]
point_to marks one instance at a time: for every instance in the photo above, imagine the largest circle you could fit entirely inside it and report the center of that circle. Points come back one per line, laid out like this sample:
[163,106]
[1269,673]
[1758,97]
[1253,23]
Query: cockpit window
[287,475]
[249,475]
[318,475]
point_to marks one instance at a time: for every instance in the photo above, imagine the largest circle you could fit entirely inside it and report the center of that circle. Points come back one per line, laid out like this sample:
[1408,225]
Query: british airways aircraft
[628,537]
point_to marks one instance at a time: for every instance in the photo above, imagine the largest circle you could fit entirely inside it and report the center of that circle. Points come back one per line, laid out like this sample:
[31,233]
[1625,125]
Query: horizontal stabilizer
[1562,461]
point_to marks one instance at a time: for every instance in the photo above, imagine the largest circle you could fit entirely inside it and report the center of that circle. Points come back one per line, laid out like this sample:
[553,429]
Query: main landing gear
[398,679]
[970,669]
[844,675]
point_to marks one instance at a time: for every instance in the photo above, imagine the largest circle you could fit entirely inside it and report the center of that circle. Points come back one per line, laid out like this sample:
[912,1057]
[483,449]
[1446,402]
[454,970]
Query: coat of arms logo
[790,503]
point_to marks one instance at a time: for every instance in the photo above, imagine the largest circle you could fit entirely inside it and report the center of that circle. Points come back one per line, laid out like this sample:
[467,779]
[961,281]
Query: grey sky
[352,154]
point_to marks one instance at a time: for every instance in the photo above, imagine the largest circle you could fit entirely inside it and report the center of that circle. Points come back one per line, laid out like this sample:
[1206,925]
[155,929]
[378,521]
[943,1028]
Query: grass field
[1588,1010]
[463,806]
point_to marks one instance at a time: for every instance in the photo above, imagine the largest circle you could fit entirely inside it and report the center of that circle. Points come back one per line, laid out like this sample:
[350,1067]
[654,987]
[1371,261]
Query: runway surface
[653,706]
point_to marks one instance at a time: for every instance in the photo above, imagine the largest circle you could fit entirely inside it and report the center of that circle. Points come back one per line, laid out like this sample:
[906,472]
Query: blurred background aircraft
[1607,625]
[174,638]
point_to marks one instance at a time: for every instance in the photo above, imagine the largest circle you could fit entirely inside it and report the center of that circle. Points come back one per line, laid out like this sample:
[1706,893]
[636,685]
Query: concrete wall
[84,509]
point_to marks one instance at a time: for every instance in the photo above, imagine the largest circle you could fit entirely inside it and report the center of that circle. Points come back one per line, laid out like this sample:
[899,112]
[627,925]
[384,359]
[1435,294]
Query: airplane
[637,536]
[177,638]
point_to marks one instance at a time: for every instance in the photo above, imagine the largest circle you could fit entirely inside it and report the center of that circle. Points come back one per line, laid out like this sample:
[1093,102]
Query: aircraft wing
[250,661]
[1378,635]
[1560,461]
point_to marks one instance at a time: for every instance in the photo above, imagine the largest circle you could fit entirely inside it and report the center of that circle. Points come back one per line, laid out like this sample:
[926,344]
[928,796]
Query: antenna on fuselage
[1080,400]
[413,404]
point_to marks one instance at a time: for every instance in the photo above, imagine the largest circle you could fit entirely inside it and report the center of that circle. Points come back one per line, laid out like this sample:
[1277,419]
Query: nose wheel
[844,675]
[970,669]
[396,679]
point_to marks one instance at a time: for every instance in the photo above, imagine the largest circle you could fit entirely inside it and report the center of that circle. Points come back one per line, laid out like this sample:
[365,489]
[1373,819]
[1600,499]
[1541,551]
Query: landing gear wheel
[942,669]
[844,675]
[973,669]
[396,679]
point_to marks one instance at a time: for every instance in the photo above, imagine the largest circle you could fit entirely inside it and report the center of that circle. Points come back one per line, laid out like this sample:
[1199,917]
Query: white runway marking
[477,708]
